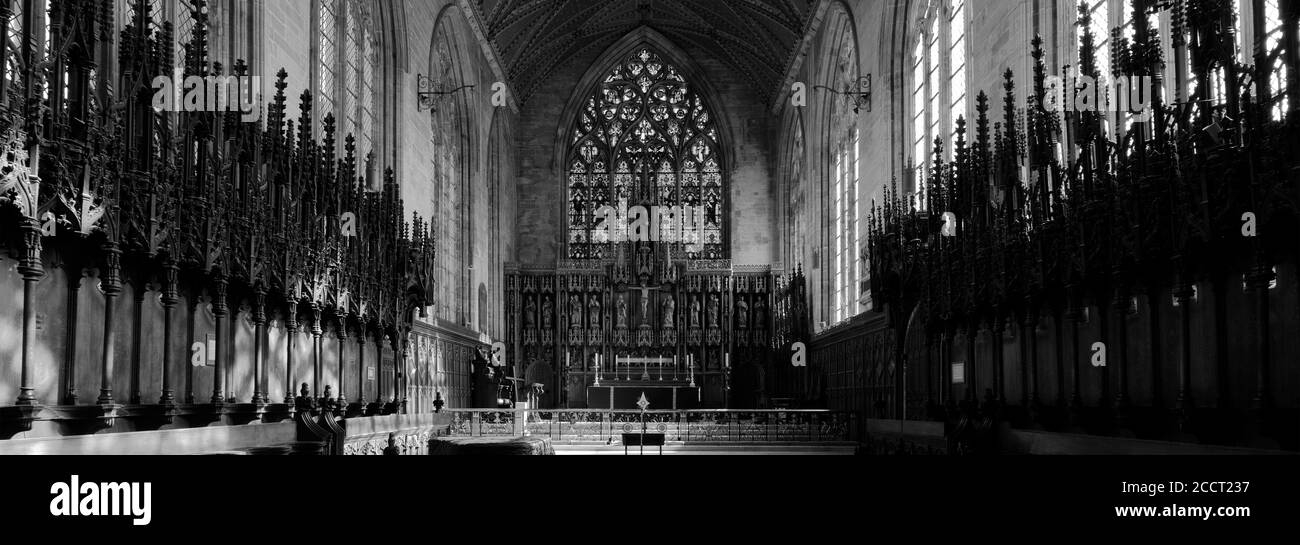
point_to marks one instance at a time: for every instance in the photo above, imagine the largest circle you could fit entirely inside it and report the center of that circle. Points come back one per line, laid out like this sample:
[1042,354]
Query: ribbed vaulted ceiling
[754,37]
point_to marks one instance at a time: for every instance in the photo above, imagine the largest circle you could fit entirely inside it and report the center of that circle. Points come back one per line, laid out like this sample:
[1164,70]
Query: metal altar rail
[698,426]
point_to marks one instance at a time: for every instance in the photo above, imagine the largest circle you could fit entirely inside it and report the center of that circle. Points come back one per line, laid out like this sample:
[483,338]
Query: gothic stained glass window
[919,133]
[957,58]
[13,44]
[327,22]
[184,24]
[1099,25]
[368,65]
[347,70]
[1272,41]
[845,174]
[645,138]
[938,88]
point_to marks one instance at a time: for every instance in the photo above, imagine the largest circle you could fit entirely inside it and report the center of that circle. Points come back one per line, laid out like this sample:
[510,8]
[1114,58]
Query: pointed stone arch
[452,148]
[838,62]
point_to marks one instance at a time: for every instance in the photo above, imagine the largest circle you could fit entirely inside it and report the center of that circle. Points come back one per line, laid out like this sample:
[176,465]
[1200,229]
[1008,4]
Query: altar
[656,379]
[625,396]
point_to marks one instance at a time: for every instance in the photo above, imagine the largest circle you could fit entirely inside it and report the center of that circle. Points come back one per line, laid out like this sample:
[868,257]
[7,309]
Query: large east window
[645,138]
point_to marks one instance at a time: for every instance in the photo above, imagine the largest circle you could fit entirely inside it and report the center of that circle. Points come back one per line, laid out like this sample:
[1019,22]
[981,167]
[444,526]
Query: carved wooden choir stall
[239,231]
[1136,285]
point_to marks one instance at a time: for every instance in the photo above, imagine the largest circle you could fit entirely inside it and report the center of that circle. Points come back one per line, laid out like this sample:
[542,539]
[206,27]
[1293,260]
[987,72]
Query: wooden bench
[643,440]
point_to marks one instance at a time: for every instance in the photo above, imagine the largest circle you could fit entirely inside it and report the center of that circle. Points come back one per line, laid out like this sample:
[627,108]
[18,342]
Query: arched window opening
[347,70]
[846,269]
[13,44]
[645,138]
[845,175]
[448,160]
[796,210]
[938,86]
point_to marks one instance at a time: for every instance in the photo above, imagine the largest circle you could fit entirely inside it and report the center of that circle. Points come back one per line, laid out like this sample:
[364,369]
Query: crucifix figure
[645,303]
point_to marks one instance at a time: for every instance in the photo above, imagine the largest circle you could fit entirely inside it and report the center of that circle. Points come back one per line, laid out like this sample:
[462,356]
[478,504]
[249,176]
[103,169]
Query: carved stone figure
[304,401]
[695,312]
[760,313]
[575,312]
[713,310]
[547,311]
[742,314]
[594,314]
[392,448]
[530,313]
[669,310]
[621,313]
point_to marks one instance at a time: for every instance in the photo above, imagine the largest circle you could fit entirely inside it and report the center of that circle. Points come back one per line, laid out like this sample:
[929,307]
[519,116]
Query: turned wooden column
[1223,392]
[972,381]
[380,338]
[1076,315]
[1103,332]
[1183,294]
[220,308]
[997,328]
[949,335]
[1119,354]
[1058,343]
[316,362]
[361,364]
[932,390]
[169,299]
[141,289]
[1029,339]
[1155,299]
[32,271]
[259,334]
[400,346]
[193,333]
[342,334]
[111,285]
[291,332]
[1260,280]
[75,276]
